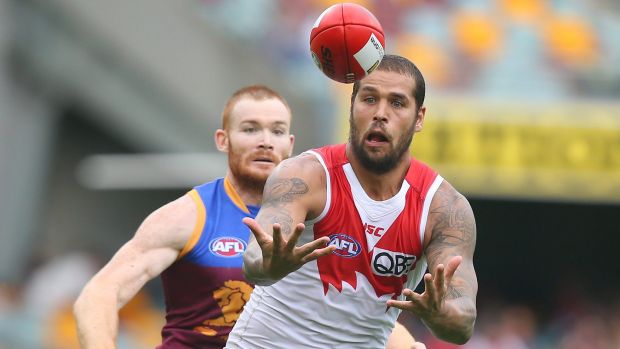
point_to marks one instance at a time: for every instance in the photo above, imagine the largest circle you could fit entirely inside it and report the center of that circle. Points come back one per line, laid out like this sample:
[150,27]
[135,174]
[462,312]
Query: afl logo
[227,246]
[346,246]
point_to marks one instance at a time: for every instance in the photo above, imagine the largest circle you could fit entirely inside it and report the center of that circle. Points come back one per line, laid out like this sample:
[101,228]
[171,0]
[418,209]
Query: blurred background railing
[107,111]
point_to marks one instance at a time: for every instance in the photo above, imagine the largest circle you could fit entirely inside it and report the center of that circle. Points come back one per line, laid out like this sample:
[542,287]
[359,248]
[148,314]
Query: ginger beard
[375,162]
[247,171]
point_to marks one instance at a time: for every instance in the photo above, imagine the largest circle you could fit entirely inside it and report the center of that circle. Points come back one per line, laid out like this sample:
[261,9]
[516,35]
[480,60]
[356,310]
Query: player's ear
[290,150]
[221,140]
[419,121]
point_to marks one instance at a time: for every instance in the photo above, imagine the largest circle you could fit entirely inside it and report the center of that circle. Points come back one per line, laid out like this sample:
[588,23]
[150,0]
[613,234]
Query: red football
[347,42]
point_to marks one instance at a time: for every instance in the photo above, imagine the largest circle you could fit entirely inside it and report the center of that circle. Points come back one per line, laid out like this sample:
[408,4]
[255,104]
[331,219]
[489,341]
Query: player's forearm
[456,324]
[96,316]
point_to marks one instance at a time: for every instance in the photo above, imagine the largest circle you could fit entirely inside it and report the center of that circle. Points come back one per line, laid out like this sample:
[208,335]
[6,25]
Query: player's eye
[370,99]
[278,132]
[397,103]
[249,129]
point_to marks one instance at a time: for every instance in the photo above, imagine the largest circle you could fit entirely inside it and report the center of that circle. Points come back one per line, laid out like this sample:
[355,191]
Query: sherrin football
[347,42]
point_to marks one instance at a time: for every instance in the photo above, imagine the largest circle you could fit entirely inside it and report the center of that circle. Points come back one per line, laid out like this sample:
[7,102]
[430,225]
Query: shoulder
[446,193]
[449,210]
[305,166]
[172,224]
[301,172]
[300,180]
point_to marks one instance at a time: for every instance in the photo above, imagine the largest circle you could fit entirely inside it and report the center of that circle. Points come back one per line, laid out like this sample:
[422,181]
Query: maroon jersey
[205,290]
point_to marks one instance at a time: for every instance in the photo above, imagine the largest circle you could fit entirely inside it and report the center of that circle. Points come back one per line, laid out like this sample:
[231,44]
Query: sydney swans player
[374,219]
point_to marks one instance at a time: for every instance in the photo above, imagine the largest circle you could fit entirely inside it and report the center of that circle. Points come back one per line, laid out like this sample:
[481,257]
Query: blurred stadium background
[107,111]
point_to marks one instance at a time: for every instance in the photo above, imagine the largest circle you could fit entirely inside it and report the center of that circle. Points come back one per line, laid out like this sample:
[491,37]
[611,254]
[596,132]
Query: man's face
[258,138]
[383,119]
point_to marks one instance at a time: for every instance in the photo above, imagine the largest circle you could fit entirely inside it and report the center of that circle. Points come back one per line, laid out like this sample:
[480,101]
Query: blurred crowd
[515,49]
[584,323]
[38,314]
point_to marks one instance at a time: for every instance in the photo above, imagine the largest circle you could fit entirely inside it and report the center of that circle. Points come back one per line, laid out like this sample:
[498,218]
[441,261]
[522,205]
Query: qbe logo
[227,246]
[346,246]
[388,263]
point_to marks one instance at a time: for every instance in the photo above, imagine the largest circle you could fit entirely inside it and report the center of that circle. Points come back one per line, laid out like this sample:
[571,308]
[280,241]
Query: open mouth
[376,137]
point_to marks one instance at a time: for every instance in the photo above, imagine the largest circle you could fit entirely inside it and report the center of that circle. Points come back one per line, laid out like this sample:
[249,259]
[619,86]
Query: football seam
[345,24]
[346,46]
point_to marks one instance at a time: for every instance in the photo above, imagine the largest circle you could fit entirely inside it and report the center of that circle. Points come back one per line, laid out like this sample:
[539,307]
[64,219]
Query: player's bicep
[288,195]
[453,234]
[453,230]
[131,267]
[155,246]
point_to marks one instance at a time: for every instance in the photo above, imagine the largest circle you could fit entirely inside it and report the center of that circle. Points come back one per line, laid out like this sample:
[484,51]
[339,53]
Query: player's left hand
[432,301]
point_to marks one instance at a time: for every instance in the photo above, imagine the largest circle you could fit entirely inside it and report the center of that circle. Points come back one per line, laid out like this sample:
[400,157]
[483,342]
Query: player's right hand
[282,256]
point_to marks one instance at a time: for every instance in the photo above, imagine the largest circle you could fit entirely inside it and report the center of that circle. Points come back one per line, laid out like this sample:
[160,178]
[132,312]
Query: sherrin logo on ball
[347,42]
[227,246]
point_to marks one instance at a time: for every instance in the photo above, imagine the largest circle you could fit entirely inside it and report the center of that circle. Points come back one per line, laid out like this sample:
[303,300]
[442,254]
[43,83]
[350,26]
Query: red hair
[256,92]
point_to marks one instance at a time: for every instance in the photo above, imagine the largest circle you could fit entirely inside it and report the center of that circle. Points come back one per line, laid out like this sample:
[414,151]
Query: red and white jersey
[339,301]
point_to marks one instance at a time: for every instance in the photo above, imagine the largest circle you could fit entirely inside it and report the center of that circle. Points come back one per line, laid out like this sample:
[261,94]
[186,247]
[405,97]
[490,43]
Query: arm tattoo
[453,233]
[278,193]
[454,229]
[283,190]
[281,217]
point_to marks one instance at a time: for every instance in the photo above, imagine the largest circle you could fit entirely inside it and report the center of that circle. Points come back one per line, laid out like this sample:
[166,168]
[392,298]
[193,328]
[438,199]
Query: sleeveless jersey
[339,300]
[204,289]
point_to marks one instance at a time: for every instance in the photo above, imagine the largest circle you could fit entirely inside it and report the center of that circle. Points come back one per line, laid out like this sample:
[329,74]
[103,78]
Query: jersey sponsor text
[389,263]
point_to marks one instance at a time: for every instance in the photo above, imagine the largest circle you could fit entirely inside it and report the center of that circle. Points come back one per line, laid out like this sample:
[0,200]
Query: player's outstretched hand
[282,256]
[433,300]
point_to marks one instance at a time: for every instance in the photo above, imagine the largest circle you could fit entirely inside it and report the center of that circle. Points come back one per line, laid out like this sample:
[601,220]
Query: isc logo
[227,246]
[346,246]
[388,263]
[374,230]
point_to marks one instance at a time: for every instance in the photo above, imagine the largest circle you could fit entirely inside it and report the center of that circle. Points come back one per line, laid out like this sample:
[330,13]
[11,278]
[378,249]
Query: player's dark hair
[401,65]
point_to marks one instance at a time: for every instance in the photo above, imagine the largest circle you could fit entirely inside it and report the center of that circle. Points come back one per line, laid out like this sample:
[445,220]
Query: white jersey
[339,300]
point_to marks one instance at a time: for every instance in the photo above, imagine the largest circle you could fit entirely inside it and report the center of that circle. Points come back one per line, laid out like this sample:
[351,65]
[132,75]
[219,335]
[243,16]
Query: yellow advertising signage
[567,151]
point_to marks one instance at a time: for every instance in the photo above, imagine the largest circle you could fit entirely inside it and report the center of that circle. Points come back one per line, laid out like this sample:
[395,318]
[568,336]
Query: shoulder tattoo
[283,190]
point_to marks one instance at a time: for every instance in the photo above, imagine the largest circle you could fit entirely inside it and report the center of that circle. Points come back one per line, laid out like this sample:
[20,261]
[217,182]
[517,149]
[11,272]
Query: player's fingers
[429,287]
[260,235]
[412,301]
[315,249]
[277,239]
[318,253]
[292,241]
[439,278]
[451,267]
[412,296]
[402,305]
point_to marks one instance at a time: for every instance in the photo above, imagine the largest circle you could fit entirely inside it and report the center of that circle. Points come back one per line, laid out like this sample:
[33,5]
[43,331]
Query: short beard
[381,165]
[246,179]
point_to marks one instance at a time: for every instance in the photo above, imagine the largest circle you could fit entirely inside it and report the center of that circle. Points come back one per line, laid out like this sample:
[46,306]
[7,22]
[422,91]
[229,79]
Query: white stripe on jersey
[328,200]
